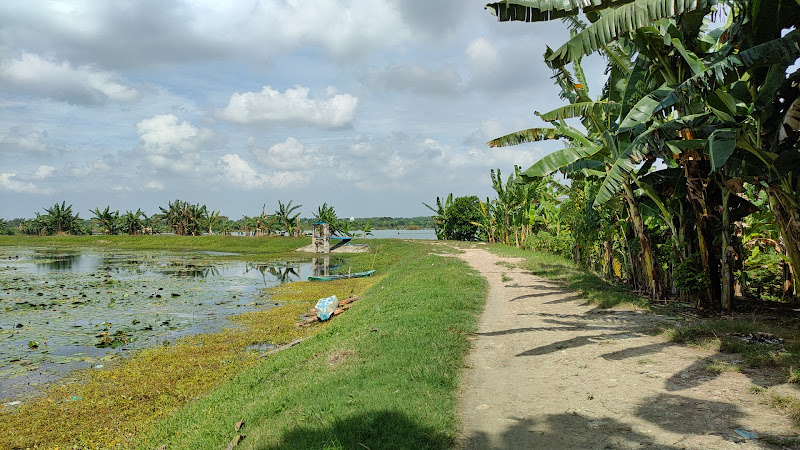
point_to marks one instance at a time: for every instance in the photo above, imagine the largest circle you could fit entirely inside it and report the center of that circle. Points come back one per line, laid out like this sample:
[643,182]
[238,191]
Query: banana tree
[106,219]
[440,211]
[590,154]
[131,221]
[288,221]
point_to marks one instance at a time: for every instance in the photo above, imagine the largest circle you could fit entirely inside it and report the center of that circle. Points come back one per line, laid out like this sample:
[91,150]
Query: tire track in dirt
[549,370]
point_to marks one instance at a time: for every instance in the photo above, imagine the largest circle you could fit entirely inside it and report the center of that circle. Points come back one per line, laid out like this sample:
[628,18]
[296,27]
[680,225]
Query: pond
[62,310]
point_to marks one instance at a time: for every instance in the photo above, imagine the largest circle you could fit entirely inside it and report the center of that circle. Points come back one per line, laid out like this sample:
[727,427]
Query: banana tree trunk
[788,218]
[608,258]
[696,189]
[726,300]
[648,257]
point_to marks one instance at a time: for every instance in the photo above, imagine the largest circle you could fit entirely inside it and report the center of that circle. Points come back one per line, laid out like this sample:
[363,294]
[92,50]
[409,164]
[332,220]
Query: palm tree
[718,100]
[327,213]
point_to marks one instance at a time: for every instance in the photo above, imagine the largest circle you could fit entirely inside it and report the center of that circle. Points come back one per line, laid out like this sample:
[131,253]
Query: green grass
[244,245]
[384,375]
[717,367]
[591,287]
[788,403]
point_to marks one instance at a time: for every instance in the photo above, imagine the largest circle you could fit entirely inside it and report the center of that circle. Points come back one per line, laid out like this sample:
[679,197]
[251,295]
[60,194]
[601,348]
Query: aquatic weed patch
[67,309]
[106,408]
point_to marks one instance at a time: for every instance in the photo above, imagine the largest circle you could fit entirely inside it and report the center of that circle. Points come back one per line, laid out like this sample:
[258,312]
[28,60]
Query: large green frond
[616,22]
[643,111]
[638,150]
[559,159]
[783,51]
[544,10]
[580,110]
[523,136]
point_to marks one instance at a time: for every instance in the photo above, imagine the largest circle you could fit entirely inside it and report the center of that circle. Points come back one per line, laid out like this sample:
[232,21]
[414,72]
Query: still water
[65,310]
[402,234]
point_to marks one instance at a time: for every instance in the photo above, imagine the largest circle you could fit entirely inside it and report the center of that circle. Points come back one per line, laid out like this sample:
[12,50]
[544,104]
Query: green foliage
[183,218]
[107,220]
[58,220]
[4,229]
[689,276]
[327,213]
[439,218]
[560,244]
[716,104]
[461,219]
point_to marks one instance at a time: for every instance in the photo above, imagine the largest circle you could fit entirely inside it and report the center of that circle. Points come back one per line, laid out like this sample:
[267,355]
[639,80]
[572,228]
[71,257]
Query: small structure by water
[321,241]
[321,237]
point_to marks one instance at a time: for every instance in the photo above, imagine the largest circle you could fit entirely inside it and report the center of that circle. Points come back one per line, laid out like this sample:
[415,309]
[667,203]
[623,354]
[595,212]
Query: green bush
[556,244]
[461,219]
[689,275]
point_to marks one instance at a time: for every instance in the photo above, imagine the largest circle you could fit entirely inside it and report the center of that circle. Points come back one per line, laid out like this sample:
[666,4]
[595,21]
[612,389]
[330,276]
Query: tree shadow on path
[562,431]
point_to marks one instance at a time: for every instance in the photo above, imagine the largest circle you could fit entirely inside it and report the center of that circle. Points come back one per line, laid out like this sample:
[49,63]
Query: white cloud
[7,183]
[153,32]
[90,168]
[162,134]
[293,106]
[43,172]
[32,142]
[154,185]
[173,146]
[239,175]
[60,80]
[482,54]
[288,155]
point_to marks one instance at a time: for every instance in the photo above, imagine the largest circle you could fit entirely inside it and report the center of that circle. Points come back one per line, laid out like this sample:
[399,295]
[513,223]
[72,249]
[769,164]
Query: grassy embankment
[384,374]
[721,333]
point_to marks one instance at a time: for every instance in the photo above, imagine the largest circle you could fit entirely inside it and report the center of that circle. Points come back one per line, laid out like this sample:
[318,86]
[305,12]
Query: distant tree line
[188,219]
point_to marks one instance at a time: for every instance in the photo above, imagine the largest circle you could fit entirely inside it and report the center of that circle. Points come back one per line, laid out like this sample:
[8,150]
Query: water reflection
[322,266]
[130,265]
[151,297]
[60,262]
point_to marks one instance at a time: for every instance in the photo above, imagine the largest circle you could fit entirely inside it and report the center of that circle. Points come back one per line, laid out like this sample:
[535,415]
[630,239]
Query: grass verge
[384,375]
[593,288]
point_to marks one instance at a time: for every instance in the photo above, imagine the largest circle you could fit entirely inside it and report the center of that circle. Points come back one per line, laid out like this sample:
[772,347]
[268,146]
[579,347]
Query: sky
[372,107]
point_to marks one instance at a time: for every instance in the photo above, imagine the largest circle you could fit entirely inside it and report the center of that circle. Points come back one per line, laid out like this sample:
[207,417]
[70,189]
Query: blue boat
[343,276]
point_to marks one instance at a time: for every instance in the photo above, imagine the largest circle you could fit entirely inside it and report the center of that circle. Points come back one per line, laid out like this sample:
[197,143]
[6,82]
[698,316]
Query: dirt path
[549,371]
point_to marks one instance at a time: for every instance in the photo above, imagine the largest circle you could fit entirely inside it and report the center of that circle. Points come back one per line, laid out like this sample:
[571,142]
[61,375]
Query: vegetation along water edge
[373,364]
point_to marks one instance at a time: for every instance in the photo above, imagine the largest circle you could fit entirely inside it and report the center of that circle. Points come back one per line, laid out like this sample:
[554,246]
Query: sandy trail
[550,371]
